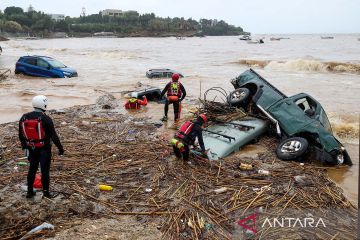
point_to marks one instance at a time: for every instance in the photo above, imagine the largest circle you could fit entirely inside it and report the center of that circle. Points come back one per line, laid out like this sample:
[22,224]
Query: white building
[111,12]
[57,17]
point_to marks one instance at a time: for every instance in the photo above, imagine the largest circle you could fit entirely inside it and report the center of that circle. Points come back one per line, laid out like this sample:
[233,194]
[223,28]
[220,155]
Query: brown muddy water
[326,69]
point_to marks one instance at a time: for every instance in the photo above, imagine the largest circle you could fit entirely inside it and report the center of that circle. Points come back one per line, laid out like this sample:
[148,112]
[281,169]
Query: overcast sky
[256,16]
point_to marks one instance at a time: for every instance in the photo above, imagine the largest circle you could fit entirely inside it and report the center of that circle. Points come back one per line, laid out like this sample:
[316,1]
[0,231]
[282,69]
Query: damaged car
[161,73]
[300,120]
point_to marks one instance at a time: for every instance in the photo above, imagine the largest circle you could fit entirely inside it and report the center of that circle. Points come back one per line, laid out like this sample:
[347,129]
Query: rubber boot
[30,194]
[47,194]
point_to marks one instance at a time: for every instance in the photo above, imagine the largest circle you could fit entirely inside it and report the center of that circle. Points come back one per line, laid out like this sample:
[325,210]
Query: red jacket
[134,103]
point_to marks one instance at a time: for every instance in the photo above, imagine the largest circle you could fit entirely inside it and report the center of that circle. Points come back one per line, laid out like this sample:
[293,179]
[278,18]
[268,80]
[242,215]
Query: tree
[13,10]
[11,26]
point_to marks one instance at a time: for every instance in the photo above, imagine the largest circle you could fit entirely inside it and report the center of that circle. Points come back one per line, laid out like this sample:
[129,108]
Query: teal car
[300,120]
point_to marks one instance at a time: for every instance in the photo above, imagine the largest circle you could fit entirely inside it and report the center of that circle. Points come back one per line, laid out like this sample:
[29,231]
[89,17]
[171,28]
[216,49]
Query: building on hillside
[57,17]
[111,12]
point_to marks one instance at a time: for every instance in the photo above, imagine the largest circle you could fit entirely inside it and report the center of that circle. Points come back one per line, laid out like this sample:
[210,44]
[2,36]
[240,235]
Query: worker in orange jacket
[135,103]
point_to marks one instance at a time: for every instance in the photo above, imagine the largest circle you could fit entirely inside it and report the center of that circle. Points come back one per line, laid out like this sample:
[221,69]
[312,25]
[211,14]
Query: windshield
[55,63]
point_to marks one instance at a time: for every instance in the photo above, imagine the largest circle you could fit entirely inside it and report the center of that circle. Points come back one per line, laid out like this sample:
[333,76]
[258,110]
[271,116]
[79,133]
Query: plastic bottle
[263,172]
[105,187]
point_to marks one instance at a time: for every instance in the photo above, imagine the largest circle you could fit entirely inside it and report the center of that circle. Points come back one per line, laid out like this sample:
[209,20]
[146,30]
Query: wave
[303,65]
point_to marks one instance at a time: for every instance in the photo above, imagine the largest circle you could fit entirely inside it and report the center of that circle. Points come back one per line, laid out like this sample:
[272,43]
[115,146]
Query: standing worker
[36,130]
[186,136]
[175,94]
[135,103]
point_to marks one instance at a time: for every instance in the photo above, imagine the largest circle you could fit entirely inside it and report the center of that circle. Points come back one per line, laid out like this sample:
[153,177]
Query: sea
[327,69]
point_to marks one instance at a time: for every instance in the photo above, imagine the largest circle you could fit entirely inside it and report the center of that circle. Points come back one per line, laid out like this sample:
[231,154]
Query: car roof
[161,69]
[37,56]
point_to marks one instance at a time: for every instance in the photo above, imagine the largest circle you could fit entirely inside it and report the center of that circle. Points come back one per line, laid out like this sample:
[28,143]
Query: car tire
[239,97]
[17,72]
[292,148]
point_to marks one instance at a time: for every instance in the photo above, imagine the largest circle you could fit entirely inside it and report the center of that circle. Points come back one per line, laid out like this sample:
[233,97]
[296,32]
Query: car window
[31,61]
[306,104]
[56,64]
[42,63]
[325,121]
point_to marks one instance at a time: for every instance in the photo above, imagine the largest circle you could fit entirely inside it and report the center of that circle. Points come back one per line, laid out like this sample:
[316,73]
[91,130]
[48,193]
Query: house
[111,12]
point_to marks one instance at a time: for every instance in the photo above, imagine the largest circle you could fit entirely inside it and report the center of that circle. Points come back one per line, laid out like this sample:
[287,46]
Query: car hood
[68,70]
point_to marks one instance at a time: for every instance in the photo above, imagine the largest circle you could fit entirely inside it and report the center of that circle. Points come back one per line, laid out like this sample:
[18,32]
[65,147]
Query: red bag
[37,182]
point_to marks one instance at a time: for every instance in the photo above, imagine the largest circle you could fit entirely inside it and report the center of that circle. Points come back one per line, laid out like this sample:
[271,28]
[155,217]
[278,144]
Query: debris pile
[4,73]
[204,200]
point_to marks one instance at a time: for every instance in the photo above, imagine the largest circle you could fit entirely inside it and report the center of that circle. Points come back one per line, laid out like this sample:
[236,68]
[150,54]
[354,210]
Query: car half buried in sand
[300,120]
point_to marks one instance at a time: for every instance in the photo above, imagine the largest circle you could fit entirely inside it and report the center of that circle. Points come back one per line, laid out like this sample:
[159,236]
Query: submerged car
[152,94]
[225,138]
[42,66]
[161,73]
[300,120]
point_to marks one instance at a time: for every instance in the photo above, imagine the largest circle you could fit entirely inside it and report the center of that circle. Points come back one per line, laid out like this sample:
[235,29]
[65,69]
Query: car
[151,93]
[300,120]
[161,73]
[42,66]
[225,138]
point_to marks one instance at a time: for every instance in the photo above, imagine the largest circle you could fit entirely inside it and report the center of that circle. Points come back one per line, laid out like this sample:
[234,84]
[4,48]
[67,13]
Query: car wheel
[292,148]
[17,72]
[238,97]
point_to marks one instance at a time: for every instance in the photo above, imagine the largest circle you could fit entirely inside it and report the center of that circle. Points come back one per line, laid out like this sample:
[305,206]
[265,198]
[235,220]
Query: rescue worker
[36,131]
[186,136]
[135,103]
[175,92]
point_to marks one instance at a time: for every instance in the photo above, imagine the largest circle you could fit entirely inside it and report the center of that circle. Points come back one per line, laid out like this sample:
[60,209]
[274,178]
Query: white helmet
[134,95]
[40,101]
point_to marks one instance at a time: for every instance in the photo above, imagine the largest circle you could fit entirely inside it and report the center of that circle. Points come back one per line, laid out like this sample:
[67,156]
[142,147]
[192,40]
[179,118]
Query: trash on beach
[263,172]
[103,187]
[35,231]
[148,190]
[22,163]
[245,167]
[220,190]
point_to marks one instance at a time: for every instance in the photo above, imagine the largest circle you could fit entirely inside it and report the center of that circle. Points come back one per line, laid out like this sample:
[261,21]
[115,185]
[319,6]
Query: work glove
[61,152]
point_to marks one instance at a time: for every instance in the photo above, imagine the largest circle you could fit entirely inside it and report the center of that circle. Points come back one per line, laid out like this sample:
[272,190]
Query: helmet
[203,118]
[40,102]
[134,95]
[175,77]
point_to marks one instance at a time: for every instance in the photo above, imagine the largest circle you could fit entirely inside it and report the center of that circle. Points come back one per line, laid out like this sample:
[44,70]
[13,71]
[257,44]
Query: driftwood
[106,148]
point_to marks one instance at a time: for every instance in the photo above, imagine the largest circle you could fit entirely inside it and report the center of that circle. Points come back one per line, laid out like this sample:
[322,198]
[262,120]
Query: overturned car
[300,120]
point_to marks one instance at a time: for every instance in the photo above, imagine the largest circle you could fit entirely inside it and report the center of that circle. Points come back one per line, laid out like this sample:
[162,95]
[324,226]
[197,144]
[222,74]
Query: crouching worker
[186,136]
[134,103]
[36,131]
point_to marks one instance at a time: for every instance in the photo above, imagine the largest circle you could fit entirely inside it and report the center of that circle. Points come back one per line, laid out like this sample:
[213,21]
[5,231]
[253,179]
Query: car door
[30,65]
[43,68]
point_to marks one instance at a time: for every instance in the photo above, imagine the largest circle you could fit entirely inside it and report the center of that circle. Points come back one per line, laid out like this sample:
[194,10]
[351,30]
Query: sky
[255,16]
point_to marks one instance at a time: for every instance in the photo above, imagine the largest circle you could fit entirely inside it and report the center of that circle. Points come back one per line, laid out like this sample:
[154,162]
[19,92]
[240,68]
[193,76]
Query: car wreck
[161,73]
[300,121]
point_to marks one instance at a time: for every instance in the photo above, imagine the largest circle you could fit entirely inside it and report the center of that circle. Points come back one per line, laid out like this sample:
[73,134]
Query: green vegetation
[129,23]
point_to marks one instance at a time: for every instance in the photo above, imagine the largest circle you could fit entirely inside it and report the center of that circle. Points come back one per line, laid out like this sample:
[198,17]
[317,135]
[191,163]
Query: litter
[220,190]
[105,187]
[34,231]
[246,167]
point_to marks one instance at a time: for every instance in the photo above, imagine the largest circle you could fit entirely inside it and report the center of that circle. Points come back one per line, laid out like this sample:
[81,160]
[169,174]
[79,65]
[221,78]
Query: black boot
[30,194]
[47,194]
